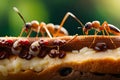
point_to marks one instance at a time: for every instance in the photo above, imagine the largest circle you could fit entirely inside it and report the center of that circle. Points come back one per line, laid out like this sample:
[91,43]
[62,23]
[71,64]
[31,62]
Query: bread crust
[92,69]
[77,43]
[79,72]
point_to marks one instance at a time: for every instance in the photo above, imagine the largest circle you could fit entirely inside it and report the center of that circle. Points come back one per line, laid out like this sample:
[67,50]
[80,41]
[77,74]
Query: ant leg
[47,31]
[96,32]
[103,32]
[38,32]
[42,33]
[29,33]
[23,29]
[65,18]
[107,29]
[75,36]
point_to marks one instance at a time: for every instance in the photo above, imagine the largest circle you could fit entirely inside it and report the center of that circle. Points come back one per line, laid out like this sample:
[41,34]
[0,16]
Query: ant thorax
[96,26]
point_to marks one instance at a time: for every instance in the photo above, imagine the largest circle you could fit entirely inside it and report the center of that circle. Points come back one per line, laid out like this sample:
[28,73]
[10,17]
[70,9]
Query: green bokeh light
[36,12]
[109,10]
[53,11]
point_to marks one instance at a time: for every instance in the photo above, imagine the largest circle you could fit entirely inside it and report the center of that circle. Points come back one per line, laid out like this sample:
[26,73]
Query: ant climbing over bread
[105,28]
[59,30]
[40,27]
[51,29]
[108,28]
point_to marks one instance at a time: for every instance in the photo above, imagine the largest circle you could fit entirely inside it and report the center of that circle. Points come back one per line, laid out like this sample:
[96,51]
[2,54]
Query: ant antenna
[16,10]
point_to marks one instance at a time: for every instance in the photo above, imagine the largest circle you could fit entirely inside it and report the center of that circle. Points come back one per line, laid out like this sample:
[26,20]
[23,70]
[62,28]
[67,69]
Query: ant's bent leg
[105,26]
[96,32]
[47,31]
[29,33]
[75,36]
[38,32]
[43,34]
[23,29]
[65,18]
[103,32]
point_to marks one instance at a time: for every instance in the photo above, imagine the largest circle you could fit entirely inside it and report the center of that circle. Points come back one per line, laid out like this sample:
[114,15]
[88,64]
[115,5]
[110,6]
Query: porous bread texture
[85,60]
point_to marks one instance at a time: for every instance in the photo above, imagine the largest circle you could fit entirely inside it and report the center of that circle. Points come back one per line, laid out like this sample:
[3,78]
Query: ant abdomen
[114,29]
[50,27]
[62,31]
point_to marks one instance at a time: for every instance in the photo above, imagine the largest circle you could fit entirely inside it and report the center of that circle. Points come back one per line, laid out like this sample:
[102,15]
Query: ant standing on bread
[40,27]
[55,30]
[32,26]
[59,30]
[105,27]
[108,28]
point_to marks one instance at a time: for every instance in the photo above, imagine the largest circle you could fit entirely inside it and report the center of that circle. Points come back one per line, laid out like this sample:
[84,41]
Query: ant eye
[88,25]
[28,25]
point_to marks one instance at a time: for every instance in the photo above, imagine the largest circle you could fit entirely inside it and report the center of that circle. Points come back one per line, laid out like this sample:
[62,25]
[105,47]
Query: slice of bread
[83,59]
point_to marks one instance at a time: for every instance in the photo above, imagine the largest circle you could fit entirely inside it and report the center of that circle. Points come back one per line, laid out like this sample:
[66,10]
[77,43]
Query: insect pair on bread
[58,30]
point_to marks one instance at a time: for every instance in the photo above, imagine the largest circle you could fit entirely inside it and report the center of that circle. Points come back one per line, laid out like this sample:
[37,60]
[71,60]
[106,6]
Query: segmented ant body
[105,27]
[40,27]
[60,31]
[109,28]
[55,30]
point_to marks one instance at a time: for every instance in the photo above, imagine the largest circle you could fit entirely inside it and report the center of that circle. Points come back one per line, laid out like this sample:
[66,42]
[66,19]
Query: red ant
[55,30]
[105,27]
[109,28]
[60,31]
[42,27]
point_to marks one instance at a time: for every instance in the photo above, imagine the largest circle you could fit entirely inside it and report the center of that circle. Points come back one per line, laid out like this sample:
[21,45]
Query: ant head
[27,26]
[96,24]
[87,27]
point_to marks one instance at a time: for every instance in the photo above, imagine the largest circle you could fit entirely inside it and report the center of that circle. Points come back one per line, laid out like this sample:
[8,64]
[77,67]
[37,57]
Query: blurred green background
[53,11]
